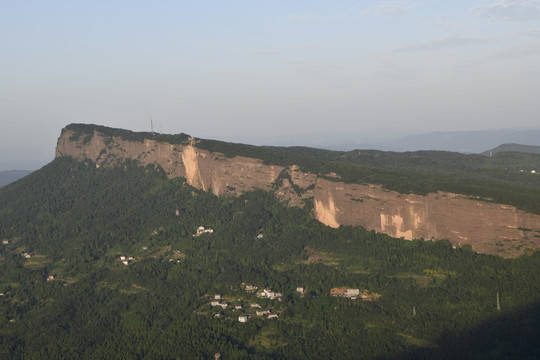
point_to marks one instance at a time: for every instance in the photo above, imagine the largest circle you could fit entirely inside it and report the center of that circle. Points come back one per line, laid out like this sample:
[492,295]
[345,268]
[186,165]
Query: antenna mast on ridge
[151,125]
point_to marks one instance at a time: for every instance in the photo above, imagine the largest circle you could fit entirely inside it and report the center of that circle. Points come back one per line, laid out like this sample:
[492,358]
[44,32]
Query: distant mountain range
[9,176]
[467,142]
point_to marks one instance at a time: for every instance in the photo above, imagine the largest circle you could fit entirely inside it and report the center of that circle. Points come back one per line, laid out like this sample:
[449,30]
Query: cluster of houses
[350,293]
[262,313]
[201,230]
[269,294]
[264,293]
[353,293]
[125,259]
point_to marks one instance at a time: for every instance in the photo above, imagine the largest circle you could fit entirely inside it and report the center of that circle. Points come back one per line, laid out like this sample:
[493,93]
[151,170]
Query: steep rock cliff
[488,227]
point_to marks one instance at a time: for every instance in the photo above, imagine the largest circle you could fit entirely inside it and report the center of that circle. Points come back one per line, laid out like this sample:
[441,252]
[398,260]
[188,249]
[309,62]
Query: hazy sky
[228,69]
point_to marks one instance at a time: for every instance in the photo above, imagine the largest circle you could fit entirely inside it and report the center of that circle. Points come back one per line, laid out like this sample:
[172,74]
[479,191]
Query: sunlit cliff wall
[488,227]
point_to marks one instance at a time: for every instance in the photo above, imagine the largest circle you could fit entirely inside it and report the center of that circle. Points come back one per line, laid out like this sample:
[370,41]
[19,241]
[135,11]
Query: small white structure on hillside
[243,318]
[352,292]
[201,230]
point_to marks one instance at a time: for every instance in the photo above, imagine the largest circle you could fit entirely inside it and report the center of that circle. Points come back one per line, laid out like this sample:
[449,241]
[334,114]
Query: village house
[300,290]
[352,293]
[262,312]
[50,277]
[255,305]
[251,288]
[5,242]
[345,292]
[217,297]
[243,318]
[270,294]
[201,230]
[215,303]
[272,316]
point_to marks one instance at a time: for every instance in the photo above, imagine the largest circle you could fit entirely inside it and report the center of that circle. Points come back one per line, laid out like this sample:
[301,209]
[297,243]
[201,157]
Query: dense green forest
[503,178]
[66,294]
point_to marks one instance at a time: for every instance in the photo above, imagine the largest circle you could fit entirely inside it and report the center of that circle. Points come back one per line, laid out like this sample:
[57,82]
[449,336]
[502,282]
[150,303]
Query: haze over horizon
[238,70]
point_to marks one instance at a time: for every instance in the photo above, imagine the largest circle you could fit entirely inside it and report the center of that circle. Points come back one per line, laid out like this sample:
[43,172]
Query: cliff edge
[488,227]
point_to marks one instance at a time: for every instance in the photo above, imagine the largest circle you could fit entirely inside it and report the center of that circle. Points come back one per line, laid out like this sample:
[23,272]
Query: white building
[202,230]
[243,318]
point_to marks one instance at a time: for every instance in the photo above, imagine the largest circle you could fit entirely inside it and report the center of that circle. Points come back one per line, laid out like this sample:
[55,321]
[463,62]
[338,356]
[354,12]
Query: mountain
[513,147]
[107,259]
[9,176]
[467,142]
[416,195]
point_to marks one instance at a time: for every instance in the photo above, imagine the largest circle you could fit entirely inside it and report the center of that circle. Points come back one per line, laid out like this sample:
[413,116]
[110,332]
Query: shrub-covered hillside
[66,292]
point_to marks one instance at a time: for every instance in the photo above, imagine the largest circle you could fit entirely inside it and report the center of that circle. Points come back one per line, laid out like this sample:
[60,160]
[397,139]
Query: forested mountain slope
[532,149]
[67,294]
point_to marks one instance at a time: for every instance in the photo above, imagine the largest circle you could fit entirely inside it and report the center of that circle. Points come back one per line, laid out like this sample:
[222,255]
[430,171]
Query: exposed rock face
[202,169]
[488,227]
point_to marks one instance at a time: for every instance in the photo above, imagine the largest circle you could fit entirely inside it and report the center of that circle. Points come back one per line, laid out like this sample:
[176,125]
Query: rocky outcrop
[202,169]
[488,227]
